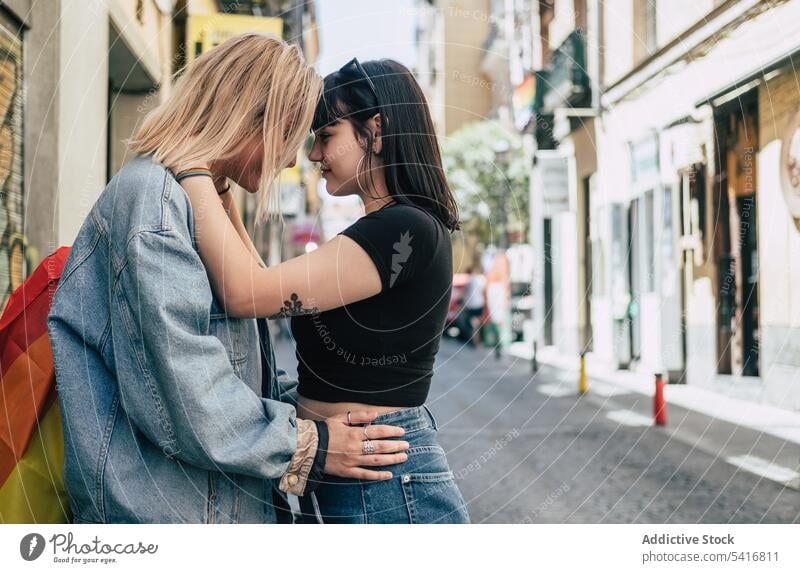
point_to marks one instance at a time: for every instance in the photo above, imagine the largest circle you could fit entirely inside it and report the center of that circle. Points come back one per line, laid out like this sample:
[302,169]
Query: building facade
[676,185]
[75,78]
[451,41]
[564,173]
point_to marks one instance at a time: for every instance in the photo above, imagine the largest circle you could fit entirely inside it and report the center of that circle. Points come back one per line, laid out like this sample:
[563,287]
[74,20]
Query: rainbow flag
[31,437]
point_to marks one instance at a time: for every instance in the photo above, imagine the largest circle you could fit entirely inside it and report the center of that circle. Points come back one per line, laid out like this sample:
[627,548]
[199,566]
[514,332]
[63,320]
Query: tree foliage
[489,174]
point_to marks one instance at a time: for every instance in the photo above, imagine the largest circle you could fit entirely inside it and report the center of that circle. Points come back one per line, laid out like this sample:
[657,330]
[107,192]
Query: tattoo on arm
[294,307]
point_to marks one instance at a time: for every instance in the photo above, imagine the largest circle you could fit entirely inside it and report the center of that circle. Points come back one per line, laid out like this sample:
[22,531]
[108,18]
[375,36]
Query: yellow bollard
[582,381]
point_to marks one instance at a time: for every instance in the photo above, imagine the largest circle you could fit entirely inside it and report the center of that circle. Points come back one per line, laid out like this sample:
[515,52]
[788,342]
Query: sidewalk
[758,438]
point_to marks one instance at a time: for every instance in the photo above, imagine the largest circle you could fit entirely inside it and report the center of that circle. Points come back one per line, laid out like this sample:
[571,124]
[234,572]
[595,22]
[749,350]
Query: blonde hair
[250,84]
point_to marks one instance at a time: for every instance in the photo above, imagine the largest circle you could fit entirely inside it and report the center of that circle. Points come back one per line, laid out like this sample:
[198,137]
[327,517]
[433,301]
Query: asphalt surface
[523,453]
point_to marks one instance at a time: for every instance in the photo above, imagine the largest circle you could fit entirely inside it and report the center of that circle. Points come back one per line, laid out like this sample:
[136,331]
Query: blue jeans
[423,489]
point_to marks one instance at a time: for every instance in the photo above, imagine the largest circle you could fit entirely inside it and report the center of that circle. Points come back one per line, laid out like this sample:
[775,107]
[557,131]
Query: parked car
[454,326]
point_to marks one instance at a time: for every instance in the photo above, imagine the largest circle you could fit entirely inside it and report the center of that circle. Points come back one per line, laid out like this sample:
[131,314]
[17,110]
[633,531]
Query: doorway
[585,241]
[736,244]
[548,282]
[634,280]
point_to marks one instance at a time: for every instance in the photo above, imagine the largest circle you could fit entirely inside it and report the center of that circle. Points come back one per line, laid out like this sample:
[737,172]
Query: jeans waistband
[410,419]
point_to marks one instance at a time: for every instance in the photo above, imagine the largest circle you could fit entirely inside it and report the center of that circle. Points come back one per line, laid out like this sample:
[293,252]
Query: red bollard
[659,404]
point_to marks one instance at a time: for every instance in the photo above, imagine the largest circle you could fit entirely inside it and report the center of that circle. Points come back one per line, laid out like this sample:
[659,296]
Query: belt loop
[433,419]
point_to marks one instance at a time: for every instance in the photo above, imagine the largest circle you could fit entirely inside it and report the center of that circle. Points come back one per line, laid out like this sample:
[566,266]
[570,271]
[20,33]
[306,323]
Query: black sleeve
[315,475]
[399,239]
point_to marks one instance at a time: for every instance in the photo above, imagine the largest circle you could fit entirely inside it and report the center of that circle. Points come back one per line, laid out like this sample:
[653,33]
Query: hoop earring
[358,171]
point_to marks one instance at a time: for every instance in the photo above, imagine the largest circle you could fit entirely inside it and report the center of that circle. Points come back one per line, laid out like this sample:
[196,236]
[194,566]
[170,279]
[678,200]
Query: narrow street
[522,453]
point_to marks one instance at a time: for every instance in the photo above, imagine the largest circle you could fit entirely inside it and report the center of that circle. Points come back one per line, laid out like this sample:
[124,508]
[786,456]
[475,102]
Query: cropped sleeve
[400,240]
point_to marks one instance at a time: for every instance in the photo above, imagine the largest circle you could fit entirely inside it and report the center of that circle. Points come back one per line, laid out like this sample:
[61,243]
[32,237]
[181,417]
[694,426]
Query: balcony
[564,82]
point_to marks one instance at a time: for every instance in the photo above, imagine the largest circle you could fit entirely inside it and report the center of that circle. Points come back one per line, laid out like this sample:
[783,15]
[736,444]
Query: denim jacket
[171,409]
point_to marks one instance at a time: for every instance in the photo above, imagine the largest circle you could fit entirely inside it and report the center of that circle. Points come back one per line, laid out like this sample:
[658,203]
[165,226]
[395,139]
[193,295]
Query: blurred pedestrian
[474,305]
[498,301]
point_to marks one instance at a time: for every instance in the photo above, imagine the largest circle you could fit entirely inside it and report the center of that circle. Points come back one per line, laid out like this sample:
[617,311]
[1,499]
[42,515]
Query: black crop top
[380,350]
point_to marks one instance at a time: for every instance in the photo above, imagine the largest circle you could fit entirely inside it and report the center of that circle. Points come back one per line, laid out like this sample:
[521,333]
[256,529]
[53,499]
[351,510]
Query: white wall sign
[553,170]
[790,165]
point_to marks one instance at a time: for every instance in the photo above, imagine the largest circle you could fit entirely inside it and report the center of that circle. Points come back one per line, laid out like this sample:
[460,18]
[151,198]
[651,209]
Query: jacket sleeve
[287,388]
[185,396]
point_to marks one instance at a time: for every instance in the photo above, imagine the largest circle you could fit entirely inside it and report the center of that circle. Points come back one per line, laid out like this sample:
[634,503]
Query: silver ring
[349,422]
[367,447]
[366,437]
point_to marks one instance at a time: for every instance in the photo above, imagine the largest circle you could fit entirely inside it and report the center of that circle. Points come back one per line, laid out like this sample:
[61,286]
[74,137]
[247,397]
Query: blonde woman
[173,411]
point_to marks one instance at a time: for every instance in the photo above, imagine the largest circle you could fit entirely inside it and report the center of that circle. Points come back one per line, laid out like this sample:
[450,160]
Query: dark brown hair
[411,157]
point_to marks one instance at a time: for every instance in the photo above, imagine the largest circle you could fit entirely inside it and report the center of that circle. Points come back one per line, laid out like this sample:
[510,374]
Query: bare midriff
[315,410]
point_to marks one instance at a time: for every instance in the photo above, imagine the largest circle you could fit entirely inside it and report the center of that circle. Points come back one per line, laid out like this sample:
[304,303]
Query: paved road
[523,454]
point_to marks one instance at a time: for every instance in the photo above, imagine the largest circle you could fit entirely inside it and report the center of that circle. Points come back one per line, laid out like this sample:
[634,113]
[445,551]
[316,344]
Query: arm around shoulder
[185,396]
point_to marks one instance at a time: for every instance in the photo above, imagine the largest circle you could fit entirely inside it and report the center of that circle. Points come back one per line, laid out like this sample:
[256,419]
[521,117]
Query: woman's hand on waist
[346,446]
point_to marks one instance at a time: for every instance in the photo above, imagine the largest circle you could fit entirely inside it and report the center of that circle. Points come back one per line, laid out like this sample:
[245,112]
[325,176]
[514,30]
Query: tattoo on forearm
[294,307]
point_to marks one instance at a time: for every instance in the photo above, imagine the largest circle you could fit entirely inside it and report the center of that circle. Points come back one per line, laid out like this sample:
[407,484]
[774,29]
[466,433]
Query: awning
[752,80]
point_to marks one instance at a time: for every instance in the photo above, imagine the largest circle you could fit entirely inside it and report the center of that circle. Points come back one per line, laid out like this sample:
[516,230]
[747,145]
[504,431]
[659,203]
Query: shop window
[697,196]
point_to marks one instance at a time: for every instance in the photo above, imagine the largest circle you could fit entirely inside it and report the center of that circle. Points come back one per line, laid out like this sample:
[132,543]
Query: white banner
[553,180]
[386,549]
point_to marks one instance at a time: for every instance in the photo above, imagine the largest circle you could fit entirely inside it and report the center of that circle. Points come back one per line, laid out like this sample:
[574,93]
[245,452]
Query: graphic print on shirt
[402,250]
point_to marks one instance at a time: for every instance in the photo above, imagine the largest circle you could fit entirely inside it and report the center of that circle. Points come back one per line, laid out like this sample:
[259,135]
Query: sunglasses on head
[355,64]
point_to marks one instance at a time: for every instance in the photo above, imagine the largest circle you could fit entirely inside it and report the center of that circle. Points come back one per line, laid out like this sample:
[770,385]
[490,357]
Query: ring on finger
[367,447]
[349,421]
